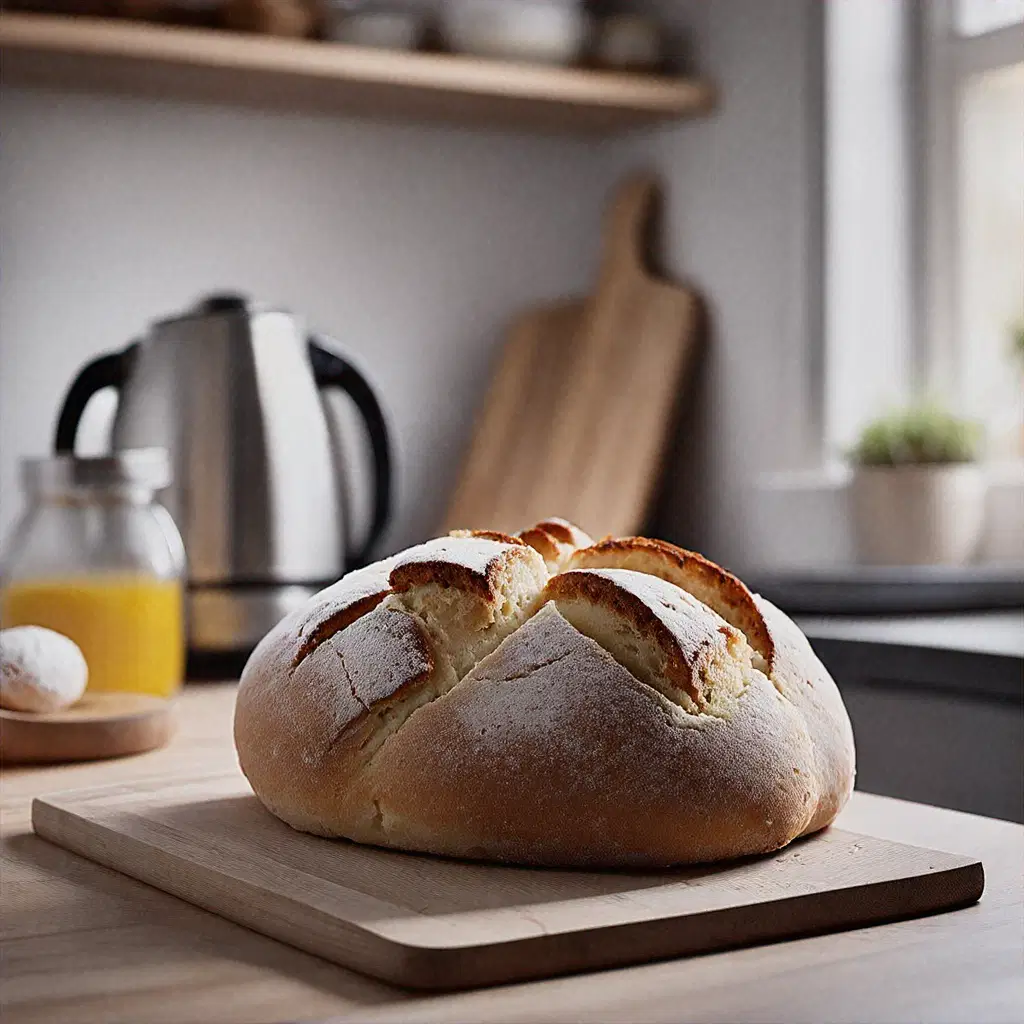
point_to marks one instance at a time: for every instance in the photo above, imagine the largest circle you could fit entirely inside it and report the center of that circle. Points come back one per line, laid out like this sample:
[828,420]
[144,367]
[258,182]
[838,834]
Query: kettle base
[233,619]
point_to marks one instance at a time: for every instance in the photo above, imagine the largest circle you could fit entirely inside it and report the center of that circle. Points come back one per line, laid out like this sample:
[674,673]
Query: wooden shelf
[138,58]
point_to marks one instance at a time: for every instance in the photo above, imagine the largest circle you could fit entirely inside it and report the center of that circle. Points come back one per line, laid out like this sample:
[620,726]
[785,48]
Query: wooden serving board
[578,414]
[430,923]
[98,726]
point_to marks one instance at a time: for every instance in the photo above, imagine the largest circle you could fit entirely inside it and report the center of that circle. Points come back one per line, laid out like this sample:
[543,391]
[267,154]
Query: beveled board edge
[351,945]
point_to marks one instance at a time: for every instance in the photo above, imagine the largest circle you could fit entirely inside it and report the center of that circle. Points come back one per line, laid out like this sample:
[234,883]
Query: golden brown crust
[329,611]
[541,542]
[496,535]
[559,530]
[444,574]
[555,540]
[327,619]
[607,591]
[694,573]
[473,564]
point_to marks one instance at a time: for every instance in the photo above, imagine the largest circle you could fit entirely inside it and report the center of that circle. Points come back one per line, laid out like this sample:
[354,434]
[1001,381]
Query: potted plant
[918,492]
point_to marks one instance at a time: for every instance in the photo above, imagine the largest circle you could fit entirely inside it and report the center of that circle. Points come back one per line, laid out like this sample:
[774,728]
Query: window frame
[945,61]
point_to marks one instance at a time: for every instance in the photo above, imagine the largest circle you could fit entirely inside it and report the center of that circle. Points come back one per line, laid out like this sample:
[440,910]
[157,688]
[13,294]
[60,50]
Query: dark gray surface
[936,705]
[927,669]
[938,749]
[978,655]
[865,589]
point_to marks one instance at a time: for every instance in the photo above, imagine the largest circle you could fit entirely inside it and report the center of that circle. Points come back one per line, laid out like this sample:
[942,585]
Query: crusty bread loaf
[544,700]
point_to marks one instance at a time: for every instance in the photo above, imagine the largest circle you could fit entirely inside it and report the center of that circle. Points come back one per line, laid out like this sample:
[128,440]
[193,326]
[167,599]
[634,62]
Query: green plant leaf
[921,434]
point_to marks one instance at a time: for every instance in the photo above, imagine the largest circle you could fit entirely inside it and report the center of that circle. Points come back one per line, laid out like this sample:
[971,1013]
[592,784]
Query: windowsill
[802,519]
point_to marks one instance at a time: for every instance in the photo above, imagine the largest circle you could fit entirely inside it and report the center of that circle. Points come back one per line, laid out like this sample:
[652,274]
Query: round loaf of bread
[542,699]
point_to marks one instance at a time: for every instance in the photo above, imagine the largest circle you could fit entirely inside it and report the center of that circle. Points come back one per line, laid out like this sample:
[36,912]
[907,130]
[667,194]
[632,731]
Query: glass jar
[95,557]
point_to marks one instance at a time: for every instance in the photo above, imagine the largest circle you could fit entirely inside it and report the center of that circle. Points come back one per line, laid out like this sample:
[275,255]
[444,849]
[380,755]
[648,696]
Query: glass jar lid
[132,469]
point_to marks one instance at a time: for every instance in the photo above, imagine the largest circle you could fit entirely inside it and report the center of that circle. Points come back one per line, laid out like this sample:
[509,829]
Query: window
[972,157]
[924,252]
[869,267]
[924,156]
[975,17]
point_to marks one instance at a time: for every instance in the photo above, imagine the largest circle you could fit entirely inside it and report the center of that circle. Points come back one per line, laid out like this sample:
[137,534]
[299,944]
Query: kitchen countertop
[998,633]
[82,943]
[971,653]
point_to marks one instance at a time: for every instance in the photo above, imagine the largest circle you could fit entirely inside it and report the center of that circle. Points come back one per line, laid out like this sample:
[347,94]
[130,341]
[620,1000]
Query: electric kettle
[232,390]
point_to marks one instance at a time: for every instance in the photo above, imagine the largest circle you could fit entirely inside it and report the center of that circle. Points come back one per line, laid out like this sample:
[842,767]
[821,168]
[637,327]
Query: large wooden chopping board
[431,923]
[578,414]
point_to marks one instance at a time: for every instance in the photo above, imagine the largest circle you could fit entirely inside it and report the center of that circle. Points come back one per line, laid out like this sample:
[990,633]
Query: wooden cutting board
[431,923]
[579,412]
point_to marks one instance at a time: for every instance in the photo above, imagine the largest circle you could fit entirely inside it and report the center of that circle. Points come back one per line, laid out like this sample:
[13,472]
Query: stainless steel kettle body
[259,491]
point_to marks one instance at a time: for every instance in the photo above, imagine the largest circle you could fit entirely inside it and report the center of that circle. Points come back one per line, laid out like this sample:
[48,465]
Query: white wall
[870,279]
[990,279]
[412,244]
[743,223]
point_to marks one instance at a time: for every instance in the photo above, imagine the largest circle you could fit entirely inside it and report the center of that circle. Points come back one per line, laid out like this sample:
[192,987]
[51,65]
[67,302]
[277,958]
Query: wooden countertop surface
[82,943]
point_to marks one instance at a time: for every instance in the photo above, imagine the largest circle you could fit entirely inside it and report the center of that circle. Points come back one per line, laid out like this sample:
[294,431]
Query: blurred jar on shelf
[628,42]
[97,558]
[531,31]
[295,19]
[379,24]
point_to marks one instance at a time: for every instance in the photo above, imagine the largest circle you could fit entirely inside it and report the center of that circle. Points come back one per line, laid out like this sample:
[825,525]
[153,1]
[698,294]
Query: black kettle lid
[221,302]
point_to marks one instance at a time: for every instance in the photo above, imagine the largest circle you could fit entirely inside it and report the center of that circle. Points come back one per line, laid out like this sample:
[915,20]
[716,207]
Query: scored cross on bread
[661,634]
[709,583]
[474,697]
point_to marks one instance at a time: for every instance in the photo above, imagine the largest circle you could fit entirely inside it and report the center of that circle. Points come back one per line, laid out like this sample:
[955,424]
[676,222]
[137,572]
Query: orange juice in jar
[96,558]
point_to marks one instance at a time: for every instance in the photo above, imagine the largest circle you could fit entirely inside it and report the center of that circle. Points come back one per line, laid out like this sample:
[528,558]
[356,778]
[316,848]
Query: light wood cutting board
[578,414]
[430,923]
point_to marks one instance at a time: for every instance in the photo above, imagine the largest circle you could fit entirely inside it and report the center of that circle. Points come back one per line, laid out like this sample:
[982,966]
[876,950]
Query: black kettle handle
[107,371]
[331,369]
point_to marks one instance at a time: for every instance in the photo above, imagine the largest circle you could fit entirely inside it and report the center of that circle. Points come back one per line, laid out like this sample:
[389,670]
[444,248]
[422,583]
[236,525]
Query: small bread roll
[40,670]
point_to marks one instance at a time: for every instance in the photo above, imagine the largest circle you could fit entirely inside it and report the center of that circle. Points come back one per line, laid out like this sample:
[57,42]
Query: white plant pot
[917,515]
